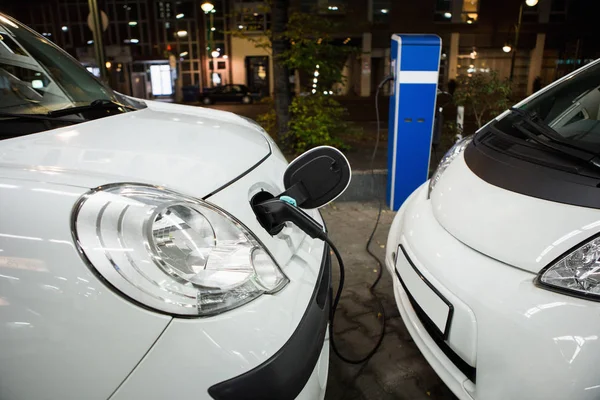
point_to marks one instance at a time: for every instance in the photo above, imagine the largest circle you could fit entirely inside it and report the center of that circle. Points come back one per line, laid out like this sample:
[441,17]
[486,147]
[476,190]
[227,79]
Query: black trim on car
[532,172]
[434,332]
[240,176]
[443,335]
[284,375]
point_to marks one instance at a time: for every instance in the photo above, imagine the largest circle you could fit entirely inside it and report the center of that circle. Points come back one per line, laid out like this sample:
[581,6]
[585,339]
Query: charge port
[258,198]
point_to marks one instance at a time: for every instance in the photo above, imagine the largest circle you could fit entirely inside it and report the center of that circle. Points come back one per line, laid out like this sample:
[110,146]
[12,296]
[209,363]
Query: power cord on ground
[381,314]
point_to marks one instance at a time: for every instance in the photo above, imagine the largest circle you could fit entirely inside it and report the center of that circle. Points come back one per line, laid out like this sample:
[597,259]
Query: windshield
[37,78]
[571,108]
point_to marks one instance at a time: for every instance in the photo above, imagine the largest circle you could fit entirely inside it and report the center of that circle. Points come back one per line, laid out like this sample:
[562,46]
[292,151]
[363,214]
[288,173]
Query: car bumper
[296,367]
[188,360]
[503,337]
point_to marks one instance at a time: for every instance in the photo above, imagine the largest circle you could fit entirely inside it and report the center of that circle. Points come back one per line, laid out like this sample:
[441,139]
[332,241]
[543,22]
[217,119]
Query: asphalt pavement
[397,370]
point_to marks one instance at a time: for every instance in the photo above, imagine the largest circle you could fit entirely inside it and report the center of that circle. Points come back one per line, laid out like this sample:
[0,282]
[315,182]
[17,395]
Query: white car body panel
[243,338]
[519,230]
[188,149]
[526,338]
[63,333]
[88,339]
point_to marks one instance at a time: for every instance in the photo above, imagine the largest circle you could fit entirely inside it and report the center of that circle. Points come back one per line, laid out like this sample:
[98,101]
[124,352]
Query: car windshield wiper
[40,117]
[554,140]
[101,104]
[542,128]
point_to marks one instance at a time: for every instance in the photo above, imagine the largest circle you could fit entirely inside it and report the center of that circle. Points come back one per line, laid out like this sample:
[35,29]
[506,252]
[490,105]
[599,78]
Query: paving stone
[371,389]
[397,370]
[343,323]
[354,344]
[353,308]
[370,323]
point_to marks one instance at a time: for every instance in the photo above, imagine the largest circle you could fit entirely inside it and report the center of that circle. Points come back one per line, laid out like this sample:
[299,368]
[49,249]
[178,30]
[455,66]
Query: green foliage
[450,134]
[310,38]
[314,121]
[268,120]
[483,95]
[317,120]
[311,44]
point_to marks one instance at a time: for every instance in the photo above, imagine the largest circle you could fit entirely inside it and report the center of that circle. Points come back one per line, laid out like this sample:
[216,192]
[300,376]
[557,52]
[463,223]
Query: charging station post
[415,61]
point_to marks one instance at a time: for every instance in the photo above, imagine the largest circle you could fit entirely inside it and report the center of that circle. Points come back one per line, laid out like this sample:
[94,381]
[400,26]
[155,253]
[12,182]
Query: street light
[207,7]
[530,3]
[506,48]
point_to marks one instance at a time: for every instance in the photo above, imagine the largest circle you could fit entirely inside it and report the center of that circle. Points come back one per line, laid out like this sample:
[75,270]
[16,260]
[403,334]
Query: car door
[236,93]
[226,93]
[217,94]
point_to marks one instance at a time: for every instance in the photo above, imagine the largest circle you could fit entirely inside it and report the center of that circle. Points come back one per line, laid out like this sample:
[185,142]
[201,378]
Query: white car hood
[522,231]
[191,149]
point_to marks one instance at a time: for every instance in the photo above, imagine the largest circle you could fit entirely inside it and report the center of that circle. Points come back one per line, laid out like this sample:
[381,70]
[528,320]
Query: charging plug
[273,213]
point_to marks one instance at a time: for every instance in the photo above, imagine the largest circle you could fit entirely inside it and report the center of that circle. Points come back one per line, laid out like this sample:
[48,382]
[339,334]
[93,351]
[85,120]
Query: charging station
[415,61]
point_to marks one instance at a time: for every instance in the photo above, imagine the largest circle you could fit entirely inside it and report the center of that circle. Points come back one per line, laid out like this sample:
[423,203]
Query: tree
[313,52]
[483,94]
[303,42]
[281,74]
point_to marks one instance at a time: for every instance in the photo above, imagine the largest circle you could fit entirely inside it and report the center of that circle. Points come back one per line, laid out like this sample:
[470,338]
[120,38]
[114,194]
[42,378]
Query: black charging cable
[381,313]
[274,212]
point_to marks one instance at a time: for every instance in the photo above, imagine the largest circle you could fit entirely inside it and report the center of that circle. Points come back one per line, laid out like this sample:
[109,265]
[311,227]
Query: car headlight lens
[172,253]
[577,272]
[450,156]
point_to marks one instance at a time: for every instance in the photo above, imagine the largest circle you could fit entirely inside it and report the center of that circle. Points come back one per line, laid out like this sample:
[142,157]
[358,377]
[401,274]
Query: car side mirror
[317,177]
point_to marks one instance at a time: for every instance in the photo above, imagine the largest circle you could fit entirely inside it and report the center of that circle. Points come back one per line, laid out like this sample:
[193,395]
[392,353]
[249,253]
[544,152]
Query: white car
[496,260]
[132,262]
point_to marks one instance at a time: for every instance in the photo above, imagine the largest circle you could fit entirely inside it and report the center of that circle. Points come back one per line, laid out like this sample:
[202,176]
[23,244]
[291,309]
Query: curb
[364,188]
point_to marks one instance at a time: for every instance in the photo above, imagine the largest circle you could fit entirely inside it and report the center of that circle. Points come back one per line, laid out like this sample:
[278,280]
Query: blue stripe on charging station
[415,61]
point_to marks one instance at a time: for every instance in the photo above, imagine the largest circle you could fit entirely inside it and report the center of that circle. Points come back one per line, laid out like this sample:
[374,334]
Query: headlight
[454,152]
[172,253]
[577,273]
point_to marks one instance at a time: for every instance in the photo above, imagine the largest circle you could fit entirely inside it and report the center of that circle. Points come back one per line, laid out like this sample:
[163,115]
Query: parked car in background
[132,265]
[496,260]
[229,93]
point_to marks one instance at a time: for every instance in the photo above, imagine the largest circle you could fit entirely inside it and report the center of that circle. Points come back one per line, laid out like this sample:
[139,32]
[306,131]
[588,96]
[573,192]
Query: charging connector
[273,212]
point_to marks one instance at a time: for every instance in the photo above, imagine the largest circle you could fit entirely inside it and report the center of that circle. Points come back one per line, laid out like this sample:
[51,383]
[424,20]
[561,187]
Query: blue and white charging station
[415,61]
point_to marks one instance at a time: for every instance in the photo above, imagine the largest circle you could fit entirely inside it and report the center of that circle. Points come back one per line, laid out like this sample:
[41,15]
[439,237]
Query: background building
[146,41]
[554,37]
[157,47]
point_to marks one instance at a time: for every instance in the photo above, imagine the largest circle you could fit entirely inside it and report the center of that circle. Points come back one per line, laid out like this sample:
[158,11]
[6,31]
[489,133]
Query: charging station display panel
[415,61]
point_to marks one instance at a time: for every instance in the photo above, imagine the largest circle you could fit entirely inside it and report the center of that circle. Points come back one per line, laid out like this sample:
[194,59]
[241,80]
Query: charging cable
[381,313]
[274,212]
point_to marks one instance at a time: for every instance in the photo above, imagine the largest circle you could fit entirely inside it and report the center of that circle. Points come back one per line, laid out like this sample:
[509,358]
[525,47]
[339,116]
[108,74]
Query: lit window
[470,11]
[160,77]
[253,17]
